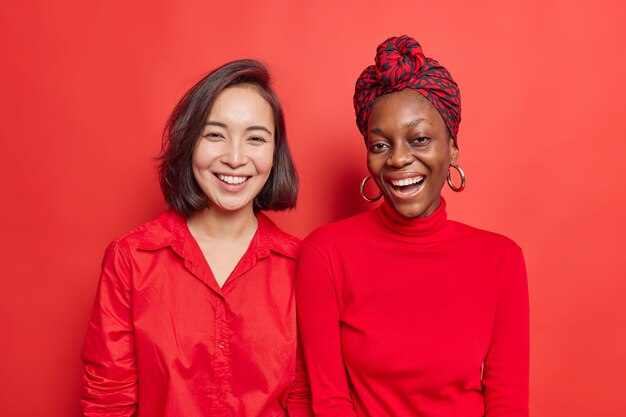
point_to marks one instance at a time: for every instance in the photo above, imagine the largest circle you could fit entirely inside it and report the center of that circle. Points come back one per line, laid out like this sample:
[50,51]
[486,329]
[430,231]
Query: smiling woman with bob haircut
[403,312]
[195,313]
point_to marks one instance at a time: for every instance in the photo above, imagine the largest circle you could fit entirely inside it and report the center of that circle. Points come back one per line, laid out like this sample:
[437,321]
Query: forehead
[402,107]
[241,98]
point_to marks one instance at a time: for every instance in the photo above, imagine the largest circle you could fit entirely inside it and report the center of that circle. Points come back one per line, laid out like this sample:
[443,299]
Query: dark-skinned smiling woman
[403,312]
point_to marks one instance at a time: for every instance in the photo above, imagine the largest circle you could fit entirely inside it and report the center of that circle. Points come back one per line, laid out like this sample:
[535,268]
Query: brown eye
[378,147]
[421,140]
[257,139]
[212,135]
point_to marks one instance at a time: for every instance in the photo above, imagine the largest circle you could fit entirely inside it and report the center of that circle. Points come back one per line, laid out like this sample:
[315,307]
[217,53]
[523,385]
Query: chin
[232,207]
[414,210]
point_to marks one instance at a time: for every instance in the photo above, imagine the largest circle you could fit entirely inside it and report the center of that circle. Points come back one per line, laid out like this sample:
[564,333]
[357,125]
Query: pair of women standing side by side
[195,311]
[403,312]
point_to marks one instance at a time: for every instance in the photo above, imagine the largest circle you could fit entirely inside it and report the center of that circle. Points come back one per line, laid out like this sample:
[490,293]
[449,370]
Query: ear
[454,151]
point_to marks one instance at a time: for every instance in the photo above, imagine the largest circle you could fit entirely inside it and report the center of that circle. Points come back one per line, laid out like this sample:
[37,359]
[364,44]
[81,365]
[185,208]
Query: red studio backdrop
[87,87]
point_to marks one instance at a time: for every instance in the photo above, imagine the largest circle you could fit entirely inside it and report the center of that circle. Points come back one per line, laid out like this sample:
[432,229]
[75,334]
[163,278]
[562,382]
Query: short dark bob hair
[184,127]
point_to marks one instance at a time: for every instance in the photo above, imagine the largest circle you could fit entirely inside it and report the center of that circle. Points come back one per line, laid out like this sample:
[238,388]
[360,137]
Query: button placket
[221,357]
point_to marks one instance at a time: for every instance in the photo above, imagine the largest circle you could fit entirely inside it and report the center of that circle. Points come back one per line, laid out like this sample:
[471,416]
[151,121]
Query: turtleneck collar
[429,228]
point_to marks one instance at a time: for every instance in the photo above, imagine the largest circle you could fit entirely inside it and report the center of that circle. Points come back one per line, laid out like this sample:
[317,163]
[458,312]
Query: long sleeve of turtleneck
[423,317]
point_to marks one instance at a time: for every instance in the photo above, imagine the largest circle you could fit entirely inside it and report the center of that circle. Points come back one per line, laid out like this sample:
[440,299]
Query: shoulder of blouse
[167,228]
[275,238]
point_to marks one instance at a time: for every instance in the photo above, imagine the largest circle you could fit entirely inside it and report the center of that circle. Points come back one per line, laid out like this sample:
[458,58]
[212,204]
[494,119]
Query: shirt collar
[272,238]
[170,229]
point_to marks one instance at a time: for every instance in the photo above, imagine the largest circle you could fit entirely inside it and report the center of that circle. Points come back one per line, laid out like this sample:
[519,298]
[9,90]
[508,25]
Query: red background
[86,88]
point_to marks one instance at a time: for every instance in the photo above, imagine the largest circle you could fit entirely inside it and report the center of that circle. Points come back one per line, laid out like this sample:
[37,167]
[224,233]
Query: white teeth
[232,180]
[406,181]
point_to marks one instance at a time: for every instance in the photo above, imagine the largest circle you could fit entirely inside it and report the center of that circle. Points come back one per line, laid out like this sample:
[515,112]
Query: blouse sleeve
[110,378]
[505,375]
[299,399]
[318,317]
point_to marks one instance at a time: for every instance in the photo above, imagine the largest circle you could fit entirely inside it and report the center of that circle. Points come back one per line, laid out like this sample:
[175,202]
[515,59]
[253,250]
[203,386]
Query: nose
[400,156]
[234,155]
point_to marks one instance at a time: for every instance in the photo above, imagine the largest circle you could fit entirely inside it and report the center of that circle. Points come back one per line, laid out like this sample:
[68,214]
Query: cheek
[202,155]
[439,162]
[374,165]
[265,159]
[196,164]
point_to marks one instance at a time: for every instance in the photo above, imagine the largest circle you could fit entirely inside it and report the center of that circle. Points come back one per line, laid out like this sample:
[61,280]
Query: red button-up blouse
[165,340]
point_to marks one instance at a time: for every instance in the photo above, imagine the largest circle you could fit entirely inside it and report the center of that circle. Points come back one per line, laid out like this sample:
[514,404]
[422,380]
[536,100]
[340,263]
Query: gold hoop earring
[371,200]
[462,174]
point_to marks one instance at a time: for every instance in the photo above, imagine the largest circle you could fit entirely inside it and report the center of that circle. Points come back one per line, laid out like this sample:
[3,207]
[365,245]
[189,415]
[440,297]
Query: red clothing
[165,340]
[398,316]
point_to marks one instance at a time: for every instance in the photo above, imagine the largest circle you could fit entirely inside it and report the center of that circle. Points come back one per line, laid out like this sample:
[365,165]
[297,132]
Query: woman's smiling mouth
[407,186]
[232,179]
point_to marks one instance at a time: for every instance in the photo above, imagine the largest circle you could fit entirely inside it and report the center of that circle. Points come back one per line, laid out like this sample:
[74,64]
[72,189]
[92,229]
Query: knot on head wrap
[397,59]
[400,64]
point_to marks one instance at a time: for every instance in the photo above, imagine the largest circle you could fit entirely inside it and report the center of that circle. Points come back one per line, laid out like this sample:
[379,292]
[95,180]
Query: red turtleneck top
[422,317]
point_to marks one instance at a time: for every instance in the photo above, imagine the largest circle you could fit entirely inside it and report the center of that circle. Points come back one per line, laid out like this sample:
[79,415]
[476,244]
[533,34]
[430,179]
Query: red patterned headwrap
[400,64]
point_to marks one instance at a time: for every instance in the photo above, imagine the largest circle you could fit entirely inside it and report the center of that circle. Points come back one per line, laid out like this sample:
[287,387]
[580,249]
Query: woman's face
[409,152]
[234,154]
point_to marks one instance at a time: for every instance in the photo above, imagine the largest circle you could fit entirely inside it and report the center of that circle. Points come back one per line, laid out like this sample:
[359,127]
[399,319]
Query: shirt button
[221,344]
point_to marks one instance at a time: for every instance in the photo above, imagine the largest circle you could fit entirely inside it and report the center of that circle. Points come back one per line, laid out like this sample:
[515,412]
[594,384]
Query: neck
[432,227]
[214,223]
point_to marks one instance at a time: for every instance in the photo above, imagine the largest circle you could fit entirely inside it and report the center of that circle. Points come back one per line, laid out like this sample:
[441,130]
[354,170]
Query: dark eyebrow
[218,124]
[414,122]
[377,130]
[258,128]
[380,131]
[249,128]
